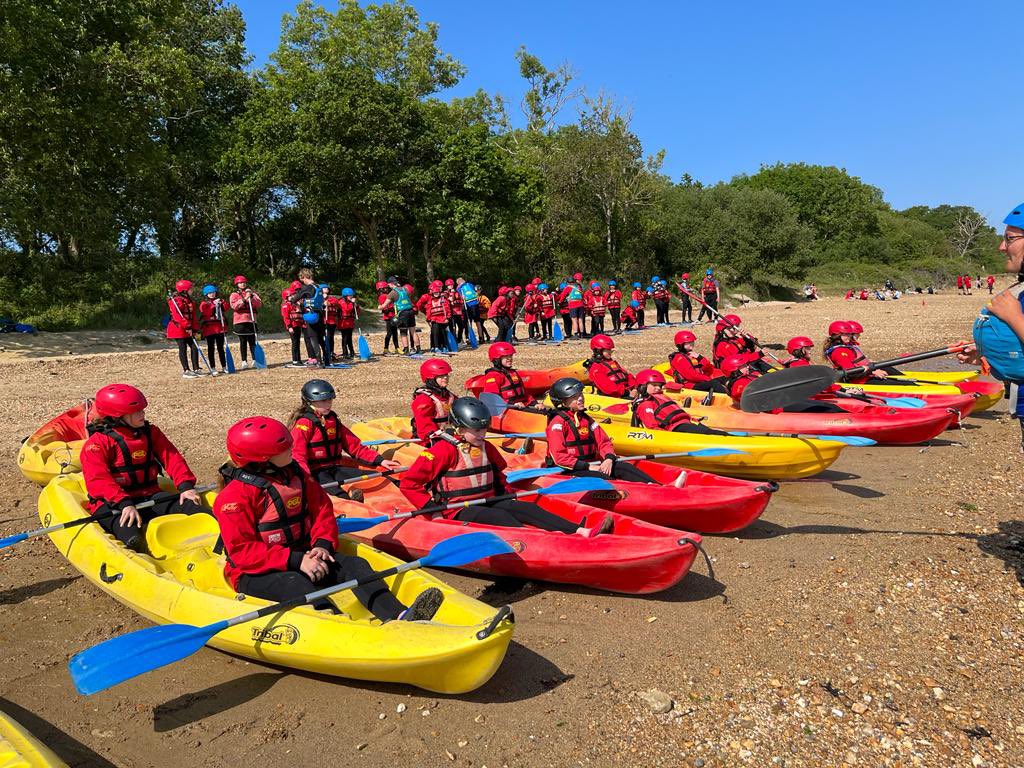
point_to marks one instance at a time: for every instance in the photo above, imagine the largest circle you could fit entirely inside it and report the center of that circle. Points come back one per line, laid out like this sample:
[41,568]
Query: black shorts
[407,318]
[245,329]
[575,312]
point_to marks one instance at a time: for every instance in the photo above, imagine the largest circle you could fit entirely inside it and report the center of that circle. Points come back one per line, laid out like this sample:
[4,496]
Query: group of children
[964,284]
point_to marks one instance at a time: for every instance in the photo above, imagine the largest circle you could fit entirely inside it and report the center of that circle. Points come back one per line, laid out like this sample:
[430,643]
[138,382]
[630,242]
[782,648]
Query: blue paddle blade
[126,656]
[9,540]
[525,435]
[472,335]
[529,474]
[390,441]
[364,347]
[716,452]
[848,439]
[904,402]
[259,357]
[495,403]
[353,524]
[229,358]
[576,485]
[556,331]
[464,549]
[453,345]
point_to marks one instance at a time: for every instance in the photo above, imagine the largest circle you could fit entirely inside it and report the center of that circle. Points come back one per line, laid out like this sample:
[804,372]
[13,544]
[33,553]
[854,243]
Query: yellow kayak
[53,448]
[181,580]
[20,749]
[941,377]
[765,458]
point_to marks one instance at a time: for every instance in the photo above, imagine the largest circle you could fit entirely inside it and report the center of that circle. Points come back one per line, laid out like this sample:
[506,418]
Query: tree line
[137,146]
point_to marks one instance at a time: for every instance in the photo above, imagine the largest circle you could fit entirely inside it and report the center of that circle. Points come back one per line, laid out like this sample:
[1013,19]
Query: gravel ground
[872,617]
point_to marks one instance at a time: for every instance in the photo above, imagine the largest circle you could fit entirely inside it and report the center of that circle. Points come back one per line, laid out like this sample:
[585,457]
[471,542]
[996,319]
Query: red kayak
[701,501]
[635,558]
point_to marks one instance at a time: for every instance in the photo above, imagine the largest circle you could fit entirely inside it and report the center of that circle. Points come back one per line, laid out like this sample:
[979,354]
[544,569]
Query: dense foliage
[136,147]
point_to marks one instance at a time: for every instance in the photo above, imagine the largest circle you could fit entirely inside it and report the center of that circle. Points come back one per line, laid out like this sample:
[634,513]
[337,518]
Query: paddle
[556,331]
[8,541]
[229,361]
[391,441]
[362,345]
[497,406]
[721,317]
[532,472]
[860,442]
[126,656]
[453,345]
[191,336]
[865,369]
[259,357]
[892,402]
[573,485]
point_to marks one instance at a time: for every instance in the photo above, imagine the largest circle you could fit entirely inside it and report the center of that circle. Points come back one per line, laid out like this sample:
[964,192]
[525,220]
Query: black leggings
[616,322]
[504,328]
[567,325]
[165,504]
[697,429]
[335,474]
[597,324]
[216,340]
[712,385]
[546,327]
[439,336]
[515,514]
[329,349]
[640,318]
[661,306]
[621,470]
[285,585]
[712,304]
[347,350]
[246,333]
[184,345]
[390,332]
[687,311]
[296,336]
[314,341]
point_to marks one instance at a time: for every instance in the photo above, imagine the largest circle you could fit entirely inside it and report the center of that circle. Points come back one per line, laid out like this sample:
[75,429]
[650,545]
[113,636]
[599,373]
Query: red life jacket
[473,477]
[640,296]
[284,519]
[443,400]
[696,362]
[667,412]
[295,314]
[389,312]
[325,450]
[331,311]
[437,309]
[598,304]
[660,294]
[859,357]
[614,299]
[135,469]
[579,441]
[729,347]
[709,286]
[455,302]
[616,372]
[738,384]
[795,362]
[546,305]
[511,387]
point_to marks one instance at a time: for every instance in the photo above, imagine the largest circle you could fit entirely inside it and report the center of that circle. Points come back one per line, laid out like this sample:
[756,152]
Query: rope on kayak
[707,559]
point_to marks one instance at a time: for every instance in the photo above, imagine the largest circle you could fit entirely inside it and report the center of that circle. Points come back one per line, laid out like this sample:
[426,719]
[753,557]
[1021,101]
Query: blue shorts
[575,312]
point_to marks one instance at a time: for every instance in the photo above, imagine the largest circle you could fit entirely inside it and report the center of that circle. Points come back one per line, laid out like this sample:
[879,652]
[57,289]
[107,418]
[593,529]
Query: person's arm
[99,482]
[301,433]
[257,303]
[498,464]
[354,447]
[235,511]
[324,530]
[605,449]
[172,460]
[423,416]
[429,465]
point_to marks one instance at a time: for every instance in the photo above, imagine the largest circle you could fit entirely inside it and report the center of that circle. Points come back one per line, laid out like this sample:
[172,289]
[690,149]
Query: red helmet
[436,285]
[518,288]
[649,376]
[601,341]
[503,290]
[855,327]
[728,321]
[530,287]
[183,285]
[286,293]
[578,276]
[256,439]
[117,400]
[839,327]
[449,283]
[733,363]
[434,367]
[239,279]
[380,285]
[798,342]
[500,349]
[686,275]
[536,281]
[409,289]
[684,337]
[295,285]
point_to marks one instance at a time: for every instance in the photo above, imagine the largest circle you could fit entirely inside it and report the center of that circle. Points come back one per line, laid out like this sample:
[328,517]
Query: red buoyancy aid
[386,313]
[698,363]
[331,311]
[598,304]
[729,347]
[326,449]
[473,477]
[708,286]
[135,469]
[438,309]
[738,384]
[614,372]
[511,387]
[614,299]
[795,362]
[442,400]
[856,357]
[660,293]
[666,414]
[546,305]
[579,442]
[284,519]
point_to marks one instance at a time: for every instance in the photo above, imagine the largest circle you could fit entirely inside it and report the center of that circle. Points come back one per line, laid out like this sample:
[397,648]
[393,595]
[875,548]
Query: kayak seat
[172,536]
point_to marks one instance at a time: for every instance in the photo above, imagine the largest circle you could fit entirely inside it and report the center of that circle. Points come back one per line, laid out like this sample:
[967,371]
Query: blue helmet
[208,289]
[595,285]
[561,286]
[611,283]
[311,317]
[542,287]
[636,284]
[324,285]
[1015,218]
[634,304]
[655,279]
[710,272]
[347,292]
[663,282]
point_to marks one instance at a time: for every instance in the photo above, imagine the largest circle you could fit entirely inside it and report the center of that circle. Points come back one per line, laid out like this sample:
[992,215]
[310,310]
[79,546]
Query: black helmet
[316,390]
[471,413]
[566,389]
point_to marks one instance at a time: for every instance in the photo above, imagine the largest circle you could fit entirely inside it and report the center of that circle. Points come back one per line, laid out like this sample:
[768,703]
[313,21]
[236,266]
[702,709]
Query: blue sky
[922,99]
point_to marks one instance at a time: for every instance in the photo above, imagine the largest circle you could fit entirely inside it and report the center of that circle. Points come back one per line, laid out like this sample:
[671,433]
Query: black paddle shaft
[865,369]
[788,386]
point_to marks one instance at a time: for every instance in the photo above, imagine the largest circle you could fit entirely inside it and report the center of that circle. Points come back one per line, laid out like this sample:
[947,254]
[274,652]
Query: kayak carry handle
[505,612]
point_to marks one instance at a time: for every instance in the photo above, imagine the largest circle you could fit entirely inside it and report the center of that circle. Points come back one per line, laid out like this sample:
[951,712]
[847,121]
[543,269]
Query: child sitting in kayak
[608,377]
[432,402]
[730,340]
[464,466]
[653,410]
[740,370]
[842,352]
[799,348]
[502,379]
[692,370]
[575,441]
[121,461]
[321,441]
[279,531]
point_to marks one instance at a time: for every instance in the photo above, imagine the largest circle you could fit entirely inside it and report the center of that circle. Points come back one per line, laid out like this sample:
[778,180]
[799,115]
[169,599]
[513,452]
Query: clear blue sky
[922,99]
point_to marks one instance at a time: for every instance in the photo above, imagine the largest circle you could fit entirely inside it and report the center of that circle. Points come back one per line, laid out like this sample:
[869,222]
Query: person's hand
[390,464]
[321,554]
[313,567]
[605,468]
[130,517]
[969,355]
[880,374]
[1006,307]
[189,495]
